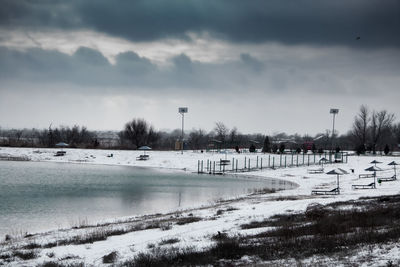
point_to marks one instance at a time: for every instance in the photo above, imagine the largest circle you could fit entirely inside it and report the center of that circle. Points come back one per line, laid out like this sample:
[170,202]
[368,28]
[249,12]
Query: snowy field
[224,216]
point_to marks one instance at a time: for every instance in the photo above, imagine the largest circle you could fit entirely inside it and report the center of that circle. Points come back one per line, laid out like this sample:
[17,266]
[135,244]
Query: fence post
[285,161]
[245,162]
[280,160]
[292,159]
[201,166]
[233,164]
[214,168]
[261,163]
[303,158]
[249,164]
[269,158]
[297,160]
[198,166]
[273,162]
[257,163]
[308,159]
[237,163]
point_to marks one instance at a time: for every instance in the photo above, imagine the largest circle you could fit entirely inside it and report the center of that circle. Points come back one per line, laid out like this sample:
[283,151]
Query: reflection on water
[36,196]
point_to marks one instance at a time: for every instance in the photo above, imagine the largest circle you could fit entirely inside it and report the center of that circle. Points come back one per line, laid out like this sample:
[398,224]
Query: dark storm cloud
[131,63]
[88,67]
[90,57]
[87,70]
[312,22]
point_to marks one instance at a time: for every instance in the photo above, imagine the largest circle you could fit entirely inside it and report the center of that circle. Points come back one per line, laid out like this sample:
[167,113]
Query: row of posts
[222,166]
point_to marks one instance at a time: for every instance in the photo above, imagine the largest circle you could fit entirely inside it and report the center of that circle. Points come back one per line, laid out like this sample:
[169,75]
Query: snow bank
[234,212]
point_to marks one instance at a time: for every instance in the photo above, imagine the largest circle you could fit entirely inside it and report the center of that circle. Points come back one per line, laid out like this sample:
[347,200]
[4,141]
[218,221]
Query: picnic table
[60,153]
[143,157]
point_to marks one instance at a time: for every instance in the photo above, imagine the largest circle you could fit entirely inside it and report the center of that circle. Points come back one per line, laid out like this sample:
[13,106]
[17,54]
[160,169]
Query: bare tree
[233,136]
[396,133]
[381,122]
[197,139]
[18,135]
[360,126]
[152,137]
[266,145]
[221,131]
[136,131]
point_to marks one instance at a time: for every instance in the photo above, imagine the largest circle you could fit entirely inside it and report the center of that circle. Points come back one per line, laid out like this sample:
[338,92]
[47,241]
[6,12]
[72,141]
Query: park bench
[366,175]
[334,191]
[314,171]
[364,186]
[143,157]
[387,179]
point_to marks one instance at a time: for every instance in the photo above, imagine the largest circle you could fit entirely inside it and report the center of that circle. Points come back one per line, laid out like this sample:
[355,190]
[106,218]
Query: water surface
[38,196]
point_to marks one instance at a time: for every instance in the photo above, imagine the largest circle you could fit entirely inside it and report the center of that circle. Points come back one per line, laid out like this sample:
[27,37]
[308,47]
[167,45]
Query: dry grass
[322,231]
[186,220]
[169,241]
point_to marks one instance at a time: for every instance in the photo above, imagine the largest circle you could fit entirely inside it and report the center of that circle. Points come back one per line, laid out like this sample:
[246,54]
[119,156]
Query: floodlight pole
[182,111]
[333,129]
[183,119]
[333,111]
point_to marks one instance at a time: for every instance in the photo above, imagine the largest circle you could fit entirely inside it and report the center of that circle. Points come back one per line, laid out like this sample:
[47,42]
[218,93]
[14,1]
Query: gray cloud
[91,57]
[331,72]
[251,62]
[290,22]
[132,64]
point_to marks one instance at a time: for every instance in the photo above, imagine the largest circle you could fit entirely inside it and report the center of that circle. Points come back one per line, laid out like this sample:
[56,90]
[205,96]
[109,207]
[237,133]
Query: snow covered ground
[225,216]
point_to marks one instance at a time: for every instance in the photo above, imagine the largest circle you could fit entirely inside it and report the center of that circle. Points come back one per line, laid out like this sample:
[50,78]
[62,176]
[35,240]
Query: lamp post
[333,111]
[182,111]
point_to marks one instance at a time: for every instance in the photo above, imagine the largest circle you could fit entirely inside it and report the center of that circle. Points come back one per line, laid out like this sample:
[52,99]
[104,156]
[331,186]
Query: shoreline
[194,227]
[112,220]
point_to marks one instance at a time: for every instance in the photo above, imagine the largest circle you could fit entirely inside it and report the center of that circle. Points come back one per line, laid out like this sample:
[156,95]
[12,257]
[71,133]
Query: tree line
[372,131]
[75,136]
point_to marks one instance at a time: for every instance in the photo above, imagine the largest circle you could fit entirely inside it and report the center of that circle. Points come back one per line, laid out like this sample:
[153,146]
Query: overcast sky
[262,66]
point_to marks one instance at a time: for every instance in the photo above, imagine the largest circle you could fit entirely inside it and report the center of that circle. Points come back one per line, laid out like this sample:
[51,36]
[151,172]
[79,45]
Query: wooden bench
[143,157]
[314,171]
[334,191]
[387,179]
[364,186]
[366,175]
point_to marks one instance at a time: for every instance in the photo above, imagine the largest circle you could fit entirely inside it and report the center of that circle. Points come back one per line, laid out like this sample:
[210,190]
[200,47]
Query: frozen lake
[38,196]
